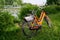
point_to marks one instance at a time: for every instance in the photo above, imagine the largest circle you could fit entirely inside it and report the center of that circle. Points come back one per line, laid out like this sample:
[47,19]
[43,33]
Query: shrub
[26,9]
[58,8]
[6,20]
[51,9]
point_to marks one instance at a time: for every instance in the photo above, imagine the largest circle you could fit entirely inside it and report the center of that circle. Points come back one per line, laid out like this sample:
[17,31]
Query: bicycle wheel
[26,30]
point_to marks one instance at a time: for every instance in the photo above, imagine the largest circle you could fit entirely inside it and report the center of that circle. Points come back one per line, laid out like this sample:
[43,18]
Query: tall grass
[53,33]
[47,33]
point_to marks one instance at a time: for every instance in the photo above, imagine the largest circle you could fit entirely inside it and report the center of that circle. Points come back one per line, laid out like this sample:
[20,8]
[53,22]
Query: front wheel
[26,30]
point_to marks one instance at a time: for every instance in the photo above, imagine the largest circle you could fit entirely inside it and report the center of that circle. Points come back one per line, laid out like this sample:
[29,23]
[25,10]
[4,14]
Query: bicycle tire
[26,31]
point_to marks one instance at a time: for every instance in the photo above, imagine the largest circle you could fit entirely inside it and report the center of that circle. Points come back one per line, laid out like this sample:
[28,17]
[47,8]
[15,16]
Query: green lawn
[52,33]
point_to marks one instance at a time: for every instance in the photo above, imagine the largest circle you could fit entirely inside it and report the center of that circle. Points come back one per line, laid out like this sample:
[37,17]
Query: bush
[51,9]
[58,8]
[6,20]
[26,9]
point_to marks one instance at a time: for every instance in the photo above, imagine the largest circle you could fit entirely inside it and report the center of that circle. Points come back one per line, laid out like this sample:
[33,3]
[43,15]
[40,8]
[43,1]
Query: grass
[47,33]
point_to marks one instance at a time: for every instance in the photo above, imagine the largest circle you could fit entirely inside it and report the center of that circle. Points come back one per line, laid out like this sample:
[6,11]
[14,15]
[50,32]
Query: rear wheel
[48,21]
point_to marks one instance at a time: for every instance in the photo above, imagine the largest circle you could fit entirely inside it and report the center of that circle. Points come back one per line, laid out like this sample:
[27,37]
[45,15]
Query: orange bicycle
[32,23]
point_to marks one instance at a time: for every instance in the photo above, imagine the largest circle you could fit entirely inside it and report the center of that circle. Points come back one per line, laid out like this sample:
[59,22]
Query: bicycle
[32,23]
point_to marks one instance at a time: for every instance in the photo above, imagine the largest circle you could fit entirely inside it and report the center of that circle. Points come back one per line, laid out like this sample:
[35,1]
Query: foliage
[44,34]
[50,2]
[1,6]
[1,2]
[58,3]
[6,20]
[52,9]
[58,8]
[8,2]
[19,2]
[26,9]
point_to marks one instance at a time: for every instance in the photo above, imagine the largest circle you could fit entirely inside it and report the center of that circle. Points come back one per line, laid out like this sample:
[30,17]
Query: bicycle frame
[40,19]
